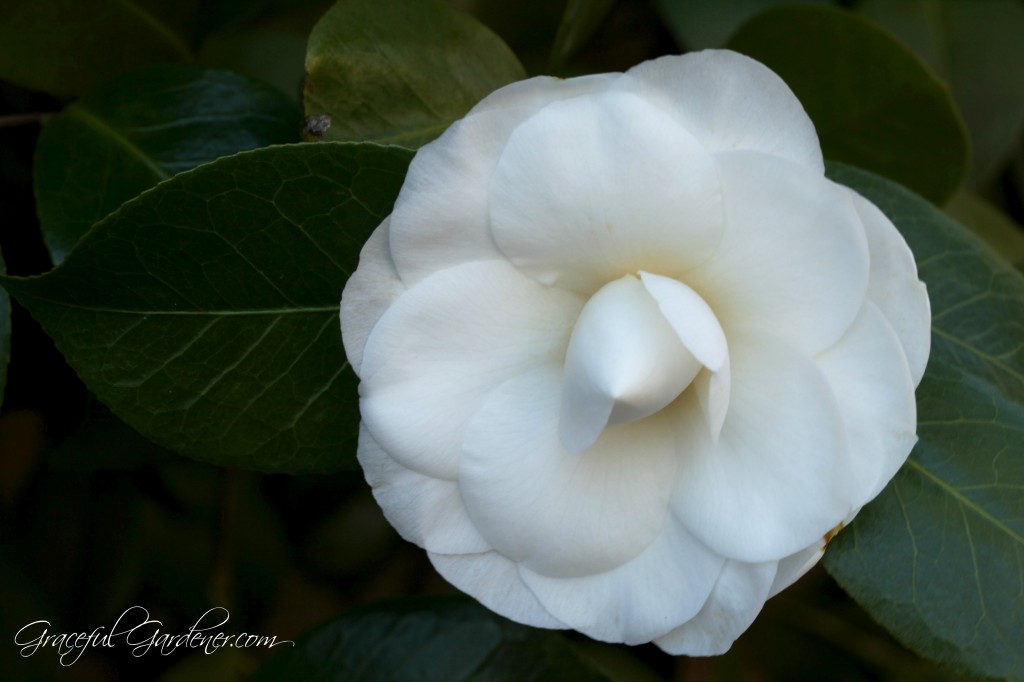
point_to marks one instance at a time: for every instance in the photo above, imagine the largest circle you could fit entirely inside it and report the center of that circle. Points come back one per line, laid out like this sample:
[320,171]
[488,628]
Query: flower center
[638,343]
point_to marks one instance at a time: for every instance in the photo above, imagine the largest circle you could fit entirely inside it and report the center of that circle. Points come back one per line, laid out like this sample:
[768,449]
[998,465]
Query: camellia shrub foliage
[635,355]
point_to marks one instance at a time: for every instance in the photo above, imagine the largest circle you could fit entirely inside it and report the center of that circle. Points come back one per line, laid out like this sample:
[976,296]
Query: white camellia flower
[627,357]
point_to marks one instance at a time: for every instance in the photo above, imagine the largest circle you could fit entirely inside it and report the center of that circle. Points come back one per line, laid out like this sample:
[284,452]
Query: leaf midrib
[334,309]
[985,357]
[118,138]
[964,500]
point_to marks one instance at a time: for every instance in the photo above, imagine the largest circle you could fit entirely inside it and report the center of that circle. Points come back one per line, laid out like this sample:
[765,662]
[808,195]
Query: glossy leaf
[5,334]
[140,128]
[204,313]
[435,639]
[64,47]
[580,21]
[399,71]
[874,104]
[977,48]
[700,24]
[938,557]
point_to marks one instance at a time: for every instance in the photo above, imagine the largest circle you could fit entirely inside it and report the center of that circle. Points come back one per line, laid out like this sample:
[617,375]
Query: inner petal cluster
[637,345]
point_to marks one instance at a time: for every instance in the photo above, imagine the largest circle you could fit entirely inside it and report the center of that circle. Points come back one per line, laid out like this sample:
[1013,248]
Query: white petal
[793,567]
[443,345]
[440,218]
[494,581]
[729,101]
[560,514]
[735,601]
[713,389]
[369,291]
[424,510]
[591,189]
[624,362]
[794,258]
[870,378]
[698,328]
[775,482]
[645,598]
[532,94]
[691,318]
[894,286]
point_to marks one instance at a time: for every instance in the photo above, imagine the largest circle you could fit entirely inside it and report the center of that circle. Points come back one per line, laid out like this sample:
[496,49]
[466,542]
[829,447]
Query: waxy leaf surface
[874,104]
[437,639]
[204,313]
[64,47]
[399,71]
[142,127]
[976,48]
[938,557]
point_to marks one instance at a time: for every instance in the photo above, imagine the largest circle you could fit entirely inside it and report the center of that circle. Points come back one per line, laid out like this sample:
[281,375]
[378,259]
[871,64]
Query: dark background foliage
[95,517]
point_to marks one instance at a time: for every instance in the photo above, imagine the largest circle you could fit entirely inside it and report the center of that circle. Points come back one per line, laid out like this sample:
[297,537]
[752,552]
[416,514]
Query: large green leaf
[938,557]
[978,48]
[64,47]
[399,71]
[204,313]
[699,24]
[875,105]
[437,639]
[140,128]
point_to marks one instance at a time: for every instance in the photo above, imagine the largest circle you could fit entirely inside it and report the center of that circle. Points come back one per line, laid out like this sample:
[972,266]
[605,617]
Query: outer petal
[424,510]
[665,586]
[591,189]
[728,102]
[440,218]
[794,259]
[735,601]
[494,581]
[443,345]
[776,481]
[894,286]
[369,291]
[870,378]
[793,567]
[560,514]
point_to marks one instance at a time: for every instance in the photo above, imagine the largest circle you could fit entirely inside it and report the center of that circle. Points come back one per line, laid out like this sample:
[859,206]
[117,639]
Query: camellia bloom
[627,357]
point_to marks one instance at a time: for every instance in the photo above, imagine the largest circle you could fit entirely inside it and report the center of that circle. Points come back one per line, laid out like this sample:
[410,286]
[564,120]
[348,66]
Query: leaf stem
[28,118]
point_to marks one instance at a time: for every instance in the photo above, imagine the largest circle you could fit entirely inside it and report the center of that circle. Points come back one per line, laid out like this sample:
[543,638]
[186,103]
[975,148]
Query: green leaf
[580,21]
[64,47]
[700,24]
[938,557]
[988,222]
[874,104]
[399,71]
[204,313]
[5,333]
[437,639]
[976,47]
[140,128]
